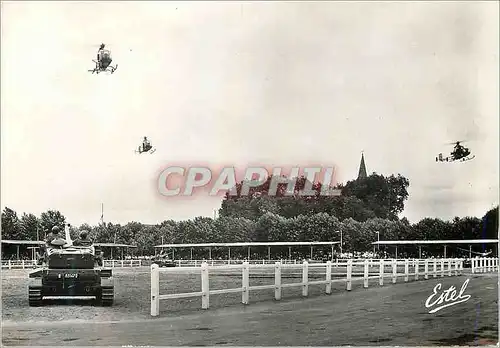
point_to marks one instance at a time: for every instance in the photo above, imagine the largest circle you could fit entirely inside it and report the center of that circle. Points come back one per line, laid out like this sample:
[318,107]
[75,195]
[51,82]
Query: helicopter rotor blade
[458,141]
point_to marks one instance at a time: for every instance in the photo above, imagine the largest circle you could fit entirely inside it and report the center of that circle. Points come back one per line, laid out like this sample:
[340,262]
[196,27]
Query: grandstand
[248,245]
[419,243]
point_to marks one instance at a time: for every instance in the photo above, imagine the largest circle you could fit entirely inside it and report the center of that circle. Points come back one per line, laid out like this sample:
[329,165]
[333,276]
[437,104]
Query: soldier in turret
[54,234]
[83,240]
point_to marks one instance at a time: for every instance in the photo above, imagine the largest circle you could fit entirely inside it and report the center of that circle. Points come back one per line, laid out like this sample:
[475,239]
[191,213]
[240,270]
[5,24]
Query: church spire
[362,168]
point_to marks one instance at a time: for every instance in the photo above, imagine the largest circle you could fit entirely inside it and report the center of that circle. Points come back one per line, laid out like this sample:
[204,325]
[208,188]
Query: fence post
[481,260]
[473,265]
[305,276]
[349,275]
[381,275]
[417,268]
[394,270]
[449,267]
[277,281]
[442,268]
[426,269]
[205,297]
[367,269]
[246,283]
[434,272]
[10,265]
[407,271]
[328,277]
[155,290]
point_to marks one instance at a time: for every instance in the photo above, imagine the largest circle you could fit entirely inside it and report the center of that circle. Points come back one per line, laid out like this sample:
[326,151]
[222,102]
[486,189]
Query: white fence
[210,262]
[18,264]
[431,267]
[24,264]
[122,263]
[483,265]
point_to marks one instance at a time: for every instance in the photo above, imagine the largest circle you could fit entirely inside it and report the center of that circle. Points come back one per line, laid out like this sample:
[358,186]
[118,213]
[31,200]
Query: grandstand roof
[249,244]
[114,245]
[28,242]
[450,241]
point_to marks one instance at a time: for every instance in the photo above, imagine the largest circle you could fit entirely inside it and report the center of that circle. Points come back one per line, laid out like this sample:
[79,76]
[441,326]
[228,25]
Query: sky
[239,83]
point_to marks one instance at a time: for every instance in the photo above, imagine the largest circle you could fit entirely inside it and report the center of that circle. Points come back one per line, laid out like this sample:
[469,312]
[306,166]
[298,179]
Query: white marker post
[305,279]
[245,295]
[328,289]
[155,290]
[277,281]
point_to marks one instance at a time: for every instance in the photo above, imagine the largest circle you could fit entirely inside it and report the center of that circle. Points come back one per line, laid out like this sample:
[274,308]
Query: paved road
[388,315]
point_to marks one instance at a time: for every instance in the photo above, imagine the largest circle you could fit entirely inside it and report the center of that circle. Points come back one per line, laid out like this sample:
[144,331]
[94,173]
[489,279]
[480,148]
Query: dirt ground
[393,314]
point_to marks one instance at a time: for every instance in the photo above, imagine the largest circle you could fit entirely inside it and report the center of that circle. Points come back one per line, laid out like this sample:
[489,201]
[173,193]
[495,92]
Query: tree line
[364,207]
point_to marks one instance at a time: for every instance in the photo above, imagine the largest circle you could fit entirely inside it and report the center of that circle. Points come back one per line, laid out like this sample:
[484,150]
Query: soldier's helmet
[55,230]
[84,235]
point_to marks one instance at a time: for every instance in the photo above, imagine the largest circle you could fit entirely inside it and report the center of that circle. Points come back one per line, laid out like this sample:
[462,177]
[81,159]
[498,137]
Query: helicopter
[145,147]
[459,153]
[103,62]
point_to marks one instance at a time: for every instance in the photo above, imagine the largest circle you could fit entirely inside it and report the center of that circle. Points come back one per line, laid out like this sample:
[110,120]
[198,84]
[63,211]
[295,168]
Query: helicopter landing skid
[465,159]
[149,151]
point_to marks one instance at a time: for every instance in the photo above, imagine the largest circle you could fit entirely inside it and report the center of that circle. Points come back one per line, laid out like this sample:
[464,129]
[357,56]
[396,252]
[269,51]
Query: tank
[163,261]
[71,272]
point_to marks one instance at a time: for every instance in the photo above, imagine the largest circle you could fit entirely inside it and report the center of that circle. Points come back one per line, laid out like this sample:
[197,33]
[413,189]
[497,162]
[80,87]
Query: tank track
[107,296]
[35,296]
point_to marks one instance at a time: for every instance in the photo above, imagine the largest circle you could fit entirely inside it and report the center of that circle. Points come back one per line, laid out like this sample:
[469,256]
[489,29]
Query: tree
[248,207]
[146,239]
[167,231]
[466,228]
[11,227]
[269,227]
[490,224]
[384,196]
[234,229]
[51,219]
[29,227]
[355,236]
[351,207]
[258,201]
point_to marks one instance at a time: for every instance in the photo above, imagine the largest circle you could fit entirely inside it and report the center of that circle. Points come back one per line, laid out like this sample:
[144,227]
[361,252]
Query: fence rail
[483,265]
[431,268]
[24,264]
[211,262]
